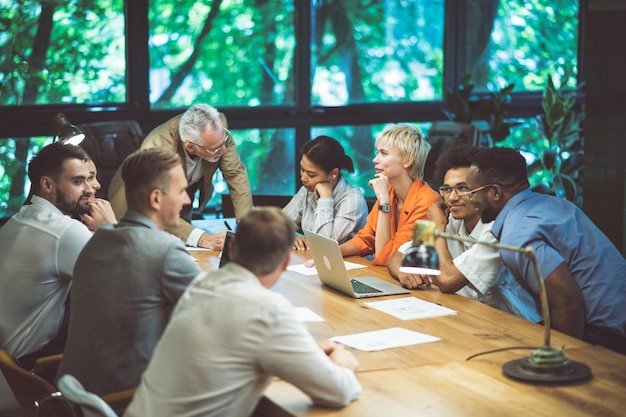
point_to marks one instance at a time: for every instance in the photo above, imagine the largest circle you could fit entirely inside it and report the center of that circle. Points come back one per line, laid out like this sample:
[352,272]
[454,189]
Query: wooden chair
[46,367]
[36,396]
[39,397]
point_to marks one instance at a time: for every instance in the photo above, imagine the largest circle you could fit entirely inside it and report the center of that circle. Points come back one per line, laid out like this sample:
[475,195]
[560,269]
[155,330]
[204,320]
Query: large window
[379,52]
[70,52]
[528,41]
[229,53]
[283,71]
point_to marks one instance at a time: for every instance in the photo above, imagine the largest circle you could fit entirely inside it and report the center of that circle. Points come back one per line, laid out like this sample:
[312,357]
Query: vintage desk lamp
[545,364]
[65,131]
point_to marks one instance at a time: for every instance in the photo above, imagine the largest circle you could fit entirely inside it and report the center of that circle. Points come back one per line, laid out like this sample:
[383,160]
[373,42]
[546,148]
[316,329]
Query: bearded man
[38,249]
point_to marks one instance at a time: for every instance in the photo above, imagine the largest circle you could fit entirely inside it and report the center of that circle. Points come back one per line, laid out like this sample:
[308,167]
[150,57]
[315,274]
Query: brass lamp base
[546,366]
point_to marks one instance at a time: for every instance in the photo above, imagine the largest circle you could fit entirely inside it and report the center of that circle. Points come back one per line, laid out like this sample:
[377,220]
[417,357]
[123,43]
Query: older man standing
[38,249]
[200,137]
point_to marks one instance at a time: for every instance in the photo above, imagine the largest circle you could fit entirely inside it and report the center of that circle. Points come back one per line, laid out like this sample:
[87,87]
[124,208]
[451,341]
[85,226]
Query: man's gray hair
[195,121]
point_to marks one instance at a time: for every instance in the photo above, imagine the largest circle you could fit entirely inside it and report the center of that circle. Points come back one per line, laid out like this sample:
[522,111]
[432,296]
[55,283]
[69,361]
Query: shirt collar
[136,217]
[510,205]
[42,202]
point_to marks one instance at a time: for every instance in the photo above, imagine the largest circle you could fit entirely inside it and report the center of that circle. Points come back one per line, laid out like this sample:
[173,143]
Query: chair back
[47,366]
[89,403]
[108,144]
[258,200]
[36,396]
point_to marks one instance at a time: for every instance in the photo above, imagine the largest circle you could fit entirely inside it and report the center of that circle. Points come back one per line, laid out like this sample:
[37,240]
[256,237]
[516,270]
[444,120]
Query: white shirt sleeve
[194,237]
[480,263]
[71,243]
[290,353]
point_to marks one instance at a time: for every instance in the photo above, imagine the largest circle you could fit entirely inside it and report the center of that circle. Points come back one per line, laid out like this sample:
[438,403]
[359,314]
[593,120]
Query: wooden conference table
[435,379]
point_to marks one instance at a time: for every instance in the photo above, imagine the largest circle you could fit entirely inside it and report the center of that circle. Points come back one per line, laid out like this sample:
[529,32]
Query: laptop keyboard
[360,288]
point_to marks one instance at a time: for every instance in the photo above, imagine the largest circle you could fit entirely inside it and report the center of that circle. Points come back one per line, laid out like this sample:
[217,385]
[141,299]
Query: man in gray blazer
[128,278]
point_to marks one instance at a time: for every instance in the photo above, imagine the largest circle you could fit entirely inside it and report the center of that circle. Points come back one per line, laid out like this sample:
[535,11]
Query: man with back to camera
[38,249]
[204,144]
[230,334]
[584,274]
[470,270]
[128,278]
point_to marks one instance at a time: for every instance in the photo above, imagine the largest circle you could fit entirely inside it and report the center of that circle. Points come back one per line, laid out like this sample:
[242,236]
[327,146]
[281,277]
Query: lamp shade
[420,260]
[65,131]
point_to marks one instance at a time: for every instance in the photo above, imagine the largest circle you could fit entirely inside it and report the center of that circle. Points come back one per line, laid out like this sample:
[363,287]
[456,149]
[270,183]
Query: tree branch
[185,68]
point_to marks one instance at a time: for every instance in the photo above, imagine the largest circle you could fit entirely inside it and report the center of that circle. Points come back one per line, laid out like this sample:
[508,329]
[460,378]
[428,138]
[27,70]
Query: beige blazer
[167,136]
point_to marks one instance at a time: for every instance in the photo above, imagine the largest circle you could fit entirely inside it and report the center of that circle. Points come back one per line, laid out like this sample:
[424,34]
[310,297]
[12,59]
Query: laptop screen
[225,258]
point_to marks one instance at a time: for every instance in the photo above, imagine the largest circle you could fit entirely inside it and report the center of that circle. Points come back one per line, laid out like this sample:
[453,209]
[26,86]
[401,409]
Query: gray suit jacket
[127,280]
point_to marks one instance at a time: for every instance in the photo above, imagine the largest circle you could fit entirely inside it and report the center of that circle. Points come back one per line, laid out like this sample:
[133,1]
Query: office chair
[89,403]
[36,396]
[108,144]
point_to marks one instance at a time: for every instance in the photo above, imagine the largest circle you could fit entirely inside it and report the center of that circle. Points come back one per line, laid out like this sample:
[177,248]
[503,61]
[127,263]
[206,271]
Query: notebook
[332,271]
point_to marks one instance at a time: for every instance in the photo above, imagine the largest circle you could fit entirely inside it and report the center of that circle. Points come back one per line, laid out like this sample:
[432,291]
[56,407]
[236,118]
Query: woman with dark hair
[326,204]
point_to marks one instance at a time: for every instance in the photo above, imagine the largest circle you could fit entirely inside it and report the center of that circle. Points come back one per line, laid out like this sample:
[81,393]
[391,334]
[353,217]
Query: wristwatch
[385,208]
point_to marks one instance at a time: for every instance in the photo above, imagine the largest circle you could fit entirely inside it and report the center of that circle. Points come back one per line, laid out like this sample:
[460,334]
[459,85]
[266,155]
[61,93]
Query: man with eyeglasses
[470,270]
[204,144]
[584,273]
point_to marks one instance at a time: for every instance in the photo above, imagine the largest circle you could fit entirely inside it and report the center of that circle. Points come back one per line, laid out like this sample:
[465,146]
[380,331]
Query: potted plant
[562,156]
[464,106]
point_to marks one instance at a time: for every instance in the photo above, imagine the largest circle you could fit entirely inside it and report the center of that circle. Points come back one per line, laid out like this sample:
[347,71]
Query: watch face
[385,208]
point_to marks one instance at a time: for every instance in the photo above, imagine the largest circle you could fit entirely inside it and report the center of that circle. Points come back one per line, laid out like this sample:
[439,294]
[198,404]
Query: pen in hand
[227,226]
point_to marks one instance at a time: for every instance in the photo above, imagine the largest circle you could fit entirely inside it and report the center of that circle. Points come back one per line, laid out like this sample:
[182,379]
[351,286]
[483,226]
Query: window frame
[34,120]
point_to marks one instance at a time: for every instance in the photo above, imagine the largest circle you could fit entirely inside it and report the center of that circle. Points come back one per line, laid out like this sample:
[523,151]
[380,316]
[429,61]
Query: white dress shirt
[38,249]
[226,339]
[488,281]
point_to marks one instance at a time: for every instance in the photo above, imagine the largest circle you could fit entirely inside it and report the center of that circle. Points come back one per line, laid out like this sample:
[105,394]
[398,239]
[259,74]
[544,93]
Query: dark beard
[72,208]
[487,215]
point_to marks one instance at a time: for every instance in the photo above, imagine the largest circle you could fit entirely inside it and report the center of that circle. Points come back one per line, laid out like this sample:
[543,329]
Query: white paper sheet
[306,314]
[384,339]
[410,308]
[305,270]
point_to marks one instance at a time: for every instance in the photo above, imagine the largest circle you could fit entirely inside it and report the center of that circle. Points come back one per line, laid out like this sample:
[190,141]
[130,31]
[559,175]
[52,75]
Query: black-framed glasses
[215,150]
[470,193]
[460,190]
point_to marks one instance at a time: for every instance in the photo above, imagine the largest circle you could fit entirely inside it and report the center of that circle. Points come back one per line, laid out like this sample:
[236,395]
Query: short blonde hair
[410,141]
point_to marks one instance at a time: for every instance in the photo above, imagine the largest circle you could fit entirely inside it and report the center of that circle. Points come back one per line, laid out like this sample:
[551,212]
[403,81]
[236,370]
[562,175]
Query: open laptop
[332,271]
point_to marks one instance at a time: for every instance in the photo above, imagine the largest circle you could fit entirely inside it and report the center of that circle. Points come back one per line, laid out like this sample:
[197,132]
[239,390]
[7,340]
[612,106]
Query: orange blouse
[416,205]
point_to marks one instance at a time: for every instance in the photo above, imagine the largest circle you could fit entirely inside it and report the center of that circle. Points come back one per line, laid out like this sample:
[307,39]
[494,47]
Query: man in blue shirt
[584,273]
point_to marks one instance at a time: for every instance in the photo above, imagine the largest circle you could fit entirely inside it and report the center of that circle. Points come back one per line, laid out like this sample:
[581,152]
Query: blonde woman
[402,197]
